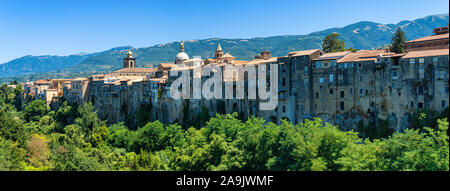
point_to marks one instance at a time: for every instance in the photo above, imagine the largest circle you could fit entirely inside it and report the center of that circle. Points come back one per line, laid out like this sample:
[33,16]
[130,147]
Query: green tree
[35,110]
[121,137]
[88,120]
[12,156]
[397,41]
[332,43]
[11,125]
[65,115]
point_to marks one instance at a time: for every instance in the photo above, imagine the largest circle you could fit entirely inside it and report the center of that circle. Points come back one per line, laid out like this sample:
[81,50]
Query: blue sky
[63,27]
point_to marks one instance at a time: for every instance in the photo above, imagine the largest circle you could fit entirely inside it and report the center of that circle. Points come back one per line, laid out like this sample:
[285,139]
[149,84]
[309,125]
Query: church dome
[182,56]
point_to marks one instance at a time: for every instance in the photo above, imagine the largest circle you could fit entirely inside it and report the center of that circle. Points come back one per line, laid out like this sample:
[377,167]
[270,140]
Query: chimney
[264,55]
[441,30]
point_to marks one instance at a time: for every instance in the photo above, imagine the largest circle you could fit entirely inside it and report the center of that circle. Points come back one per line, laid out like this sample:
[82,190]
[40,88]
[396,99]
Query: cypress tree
[397,41]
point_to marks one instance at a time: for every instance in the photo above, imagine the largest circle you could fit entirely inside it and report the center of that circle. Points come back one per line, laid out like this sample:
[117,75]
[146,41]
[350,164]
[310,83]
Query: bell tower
[129,61]
[219,52]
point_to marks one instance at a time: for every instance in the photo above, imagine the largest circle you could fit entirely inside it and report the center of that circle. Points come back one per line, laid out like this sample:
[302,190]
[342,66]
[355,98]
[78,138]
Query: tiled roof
[167,65]
[428,38]
[41,82]
[135,70]
[303,52]
[79,79]
[257,61]
[240,62]
[364,55]
[334,55]
[426,53]
[227,56]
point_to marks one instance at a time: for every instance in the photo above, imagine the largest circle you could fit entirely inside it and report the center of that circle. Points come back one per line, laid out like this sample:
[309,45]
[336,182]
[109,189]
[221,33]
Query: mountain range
[360,35]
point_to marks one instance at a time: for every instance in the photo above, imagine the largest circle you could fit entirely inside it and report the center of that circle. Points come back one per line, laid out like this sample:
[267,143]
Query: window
[331,91]
[333,63]
[412,61]
[331,77]
[351,90]
[342,94]
[443,104]
[412,104]
[284,108]
[342,106]
[361,92]
[421,72]
[283,82]
[306,81]
[317,94]
[318,64]
[394,75]
[438,74]
[420,89]
[325,64]
[359,64]
[446,89]
[321,80]
[360,78]
[421,60]
[367,92]
[306,70]
[435,59]
[420,105]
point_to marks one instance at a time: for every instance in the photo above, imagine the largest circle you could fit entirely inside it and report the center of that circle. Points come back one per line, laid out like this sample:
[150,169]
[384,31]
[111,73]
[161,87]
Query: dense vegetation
[361,35]
[33,137]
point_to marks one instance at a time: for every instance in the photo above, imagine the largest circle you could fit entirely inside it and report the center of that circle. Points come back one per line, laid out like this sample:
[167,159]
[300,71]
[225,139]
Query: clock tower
[129,61]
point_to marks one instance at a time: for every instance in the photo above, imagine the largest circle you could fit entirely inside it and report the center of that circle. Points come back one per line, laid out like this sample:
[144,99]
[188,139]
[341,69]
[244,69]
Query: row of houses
[342,88]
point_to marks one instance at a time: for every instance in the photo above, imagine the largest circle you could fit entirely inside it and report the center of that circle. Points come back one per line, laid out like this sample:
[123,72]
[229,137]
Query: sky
[64,27]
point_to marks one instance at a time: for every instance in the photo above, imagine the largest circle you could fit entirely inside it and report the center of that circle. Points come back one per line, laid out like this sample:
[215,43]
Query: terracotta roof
[227,56]
[364,55]
[41,82]
[135,70]
[426,53]
[429,38]
[255,61]
[80,79]
[167,65]
[398,54]
[180,68]
[303,52]
[239,62]
[332,56]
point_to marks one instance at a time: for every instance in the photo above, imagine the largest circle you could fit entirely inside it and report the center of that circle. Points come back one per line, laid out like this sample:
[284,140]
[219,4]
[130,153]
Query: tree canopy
[331,43]
[397,41]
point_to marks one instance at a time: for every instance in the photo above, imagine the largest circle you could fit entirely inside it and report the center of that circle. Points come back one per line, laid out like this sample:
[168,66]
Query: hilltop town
[343,88]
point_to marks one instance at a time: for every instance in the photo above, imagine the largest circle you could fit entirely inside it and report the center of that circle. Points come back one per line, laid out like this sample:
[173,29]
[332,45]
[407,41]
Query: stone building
[438,41]
[342,88]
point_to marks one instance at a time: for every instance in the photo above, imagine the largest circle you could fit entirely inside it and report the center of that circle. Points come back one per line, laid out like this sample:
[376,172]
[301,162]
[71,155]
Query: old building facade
[342,88]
